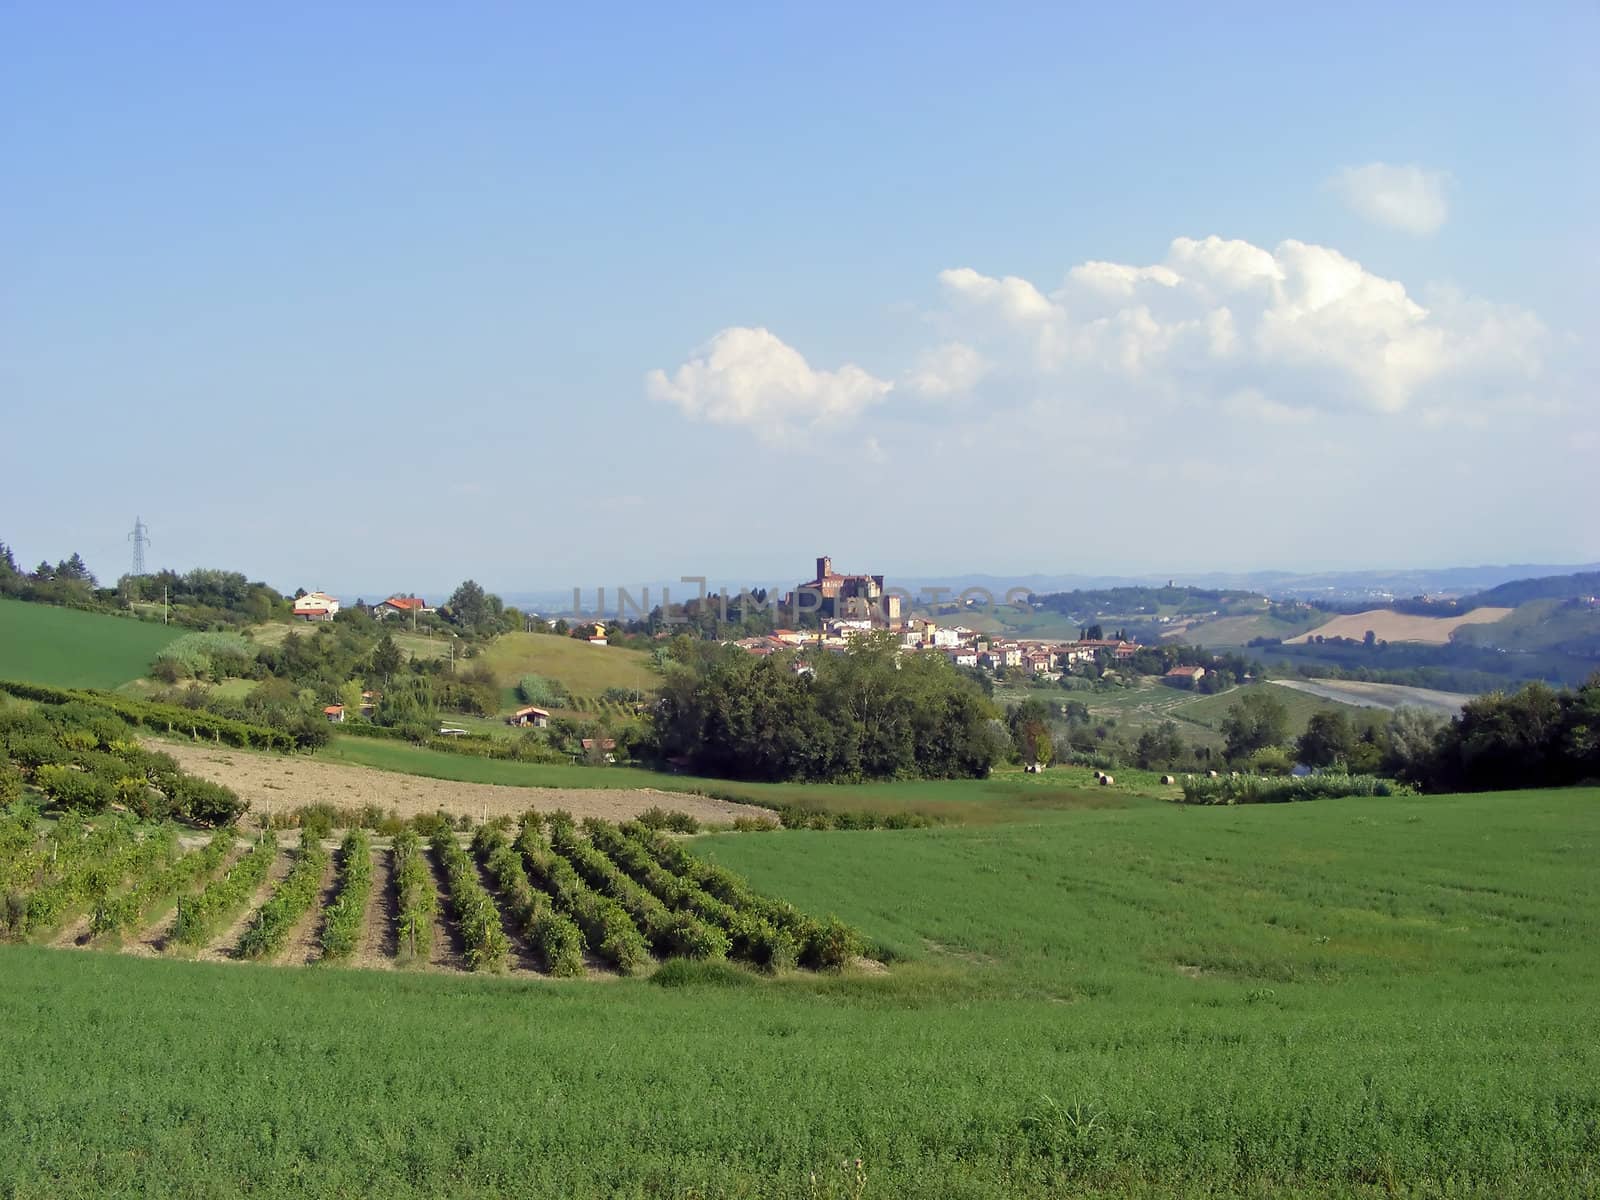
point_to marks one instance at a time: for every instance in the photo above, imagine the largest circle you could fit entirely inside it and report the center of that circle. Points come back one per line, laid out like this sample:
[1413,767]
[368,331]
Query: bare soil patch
[273,782]
[379,936]
[1389,626]
[305,939]
[448,952]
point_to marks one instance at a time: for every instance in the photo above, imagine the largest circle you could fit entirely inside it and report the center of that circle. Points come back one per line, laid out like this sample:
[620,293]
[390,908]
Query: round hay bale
[1211,774]
[1106,781]
[1169,780]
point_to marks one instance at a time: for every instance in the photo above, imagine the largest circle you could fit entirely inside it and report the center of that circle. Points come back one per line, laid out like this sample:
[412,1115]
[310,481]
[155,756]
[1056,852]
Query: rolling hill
[581,668]
[40,643]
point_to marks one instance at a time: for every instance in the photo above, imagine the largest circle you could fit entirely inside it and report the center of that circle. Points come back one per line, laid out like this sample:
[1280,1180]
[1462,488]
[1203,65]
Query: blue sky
[385,296]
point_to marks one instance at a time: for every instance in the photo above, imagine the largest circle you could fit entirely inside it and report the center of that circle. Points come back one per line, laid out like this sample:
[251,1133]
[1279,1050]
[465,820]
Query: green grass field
[1349,998]
[578,666]
[40,643]
[1007,795]
[1199,718]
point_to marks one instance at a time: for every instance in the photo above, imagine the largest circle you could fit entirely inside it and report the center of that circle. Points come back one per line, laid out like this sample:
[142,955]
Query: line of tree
[867,713]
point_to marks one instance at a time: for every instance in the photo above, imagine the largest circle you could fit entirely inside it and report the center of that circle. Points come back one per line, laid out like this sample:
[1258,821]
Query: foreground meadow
[1359,997]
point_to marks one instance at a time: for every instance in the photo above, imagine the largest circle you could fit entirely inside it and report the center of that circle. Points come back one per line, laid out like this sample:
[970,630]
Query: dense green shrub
[72,788]
[1257,789]
[206,656]
[10,783]
[546,693]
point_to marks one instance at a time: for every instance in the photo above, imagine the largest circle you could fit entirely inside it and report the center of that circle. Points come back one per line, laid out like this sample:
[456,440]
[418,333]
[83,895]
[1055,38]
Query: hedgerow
[1261,789]
[415,896]
[606,926]
[199,916]
[557,939]
[163,718]
[341,925]
[290,900]
[483,936]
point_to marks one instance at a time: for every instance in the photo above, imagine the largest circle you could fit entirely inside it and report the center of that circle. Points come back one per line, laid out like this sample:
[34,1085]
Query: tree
[387,658]
[1256,721]
[1327,740]
[467,604]
[1094,634]
[1160,747]
[74,570]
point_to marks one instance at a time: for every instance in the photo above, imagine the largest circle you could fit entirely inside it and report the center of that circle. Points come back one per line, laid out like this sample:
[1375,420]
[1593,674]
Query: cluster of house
[964,647]
[320,606]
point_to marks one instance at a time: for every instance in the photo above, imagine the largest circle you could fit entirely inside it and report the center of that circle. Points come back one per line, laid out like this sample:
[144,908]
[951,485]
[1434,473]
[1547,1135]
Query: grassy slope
[1199,718]
[1211,711]
[66,648]
[1540,625]
[1354,997]
[582,668]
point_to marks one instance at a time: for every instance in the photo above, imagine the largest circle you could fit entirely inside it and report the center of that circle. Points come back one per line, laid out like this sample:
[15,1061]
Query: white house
[316,606]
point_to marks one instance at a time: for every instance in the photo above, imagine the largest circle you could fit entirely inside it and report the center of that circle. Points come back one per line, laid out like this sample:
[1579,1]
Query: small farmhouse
[530,716]
[316,606]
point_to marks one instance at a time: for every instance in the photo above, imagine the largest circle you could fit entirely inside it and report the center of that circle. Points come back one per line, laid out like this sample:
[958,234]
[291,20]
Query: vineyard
[540,896]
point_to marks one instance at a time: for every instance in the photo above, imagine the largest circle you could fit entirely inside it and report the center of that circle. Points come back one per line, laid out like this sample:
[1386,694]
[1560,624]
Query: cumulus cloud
[1294,329]
[1411,199]
[947,371]
[752,378]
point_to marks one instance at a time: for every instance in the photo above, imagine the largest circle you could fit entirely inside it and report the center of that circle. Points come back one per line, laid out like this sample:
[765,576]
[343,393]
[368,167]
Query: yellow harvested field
[1390,626]
[283,782]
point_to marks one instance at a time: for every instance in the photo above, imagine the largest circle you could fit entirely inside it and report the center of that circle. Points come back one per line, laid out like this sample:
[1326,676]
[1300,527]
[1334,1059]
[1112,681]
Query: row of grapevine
[670,935]
[415,897]
[199,916]
[751,937]
[558,941]
[122,912]
[483,936]
[81,863]
[606,925]
[147,857]
[290,900]
[341,925]
[822,944]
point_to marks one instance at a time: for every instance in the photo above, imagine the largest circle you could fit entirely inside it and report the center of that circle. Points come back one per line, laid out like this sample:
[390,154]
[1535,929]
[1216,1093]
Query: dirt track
[278,782]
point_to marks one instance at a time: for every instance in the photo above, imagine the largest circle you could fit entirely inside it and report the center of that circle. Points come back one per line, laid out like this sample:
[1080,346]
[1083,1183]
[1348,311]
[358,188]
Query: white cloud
[1411,199]
[752,378]
[1300,327]
[949,370]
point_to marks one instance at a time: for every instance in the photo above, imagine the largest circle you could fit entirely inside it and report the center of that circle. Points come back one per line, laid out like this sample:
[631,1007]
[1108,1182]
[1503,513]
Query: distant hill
[1549,587]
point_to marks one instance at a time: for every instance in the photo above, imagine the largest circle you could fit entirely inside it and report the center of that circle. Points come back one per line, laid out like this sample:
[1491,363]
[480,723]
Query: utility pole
[163,604]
